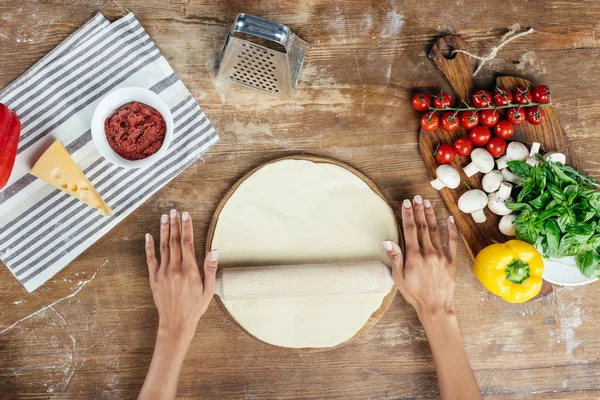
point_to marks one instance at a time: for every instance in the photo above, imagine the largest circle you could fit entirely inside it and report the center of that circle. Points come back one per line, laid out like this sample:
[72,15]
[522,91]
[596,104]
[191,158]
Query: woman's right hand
[427,278]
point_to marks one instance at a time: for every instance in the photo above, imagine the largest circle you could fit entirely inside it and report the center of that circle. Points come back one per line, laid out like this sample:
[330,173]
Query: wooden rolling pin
[246,283]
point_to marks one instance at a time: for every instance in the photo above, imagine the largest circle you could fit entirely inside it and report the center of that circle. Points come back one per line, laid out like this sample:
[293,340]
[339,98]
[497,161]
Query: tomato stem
[531,104]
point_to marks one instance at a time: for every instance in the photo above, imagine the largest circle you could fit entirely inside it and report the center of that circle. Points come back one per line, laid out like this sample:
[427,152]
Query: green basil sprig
[558,206]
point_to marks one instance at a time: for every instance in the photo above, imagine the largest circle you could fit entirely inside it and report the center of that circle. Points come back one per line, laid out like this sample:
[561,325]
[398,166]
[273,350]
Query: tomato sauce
[135,131]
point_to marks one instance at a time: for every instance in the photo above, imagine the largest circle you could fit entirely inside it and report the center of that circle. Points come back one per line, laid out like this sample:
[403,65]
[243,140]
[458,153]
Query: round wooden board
[387,300]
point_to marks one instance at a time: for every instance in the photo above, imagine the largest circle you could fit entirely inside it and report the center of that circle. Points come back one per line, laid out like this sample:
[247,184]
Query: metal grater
[262,55]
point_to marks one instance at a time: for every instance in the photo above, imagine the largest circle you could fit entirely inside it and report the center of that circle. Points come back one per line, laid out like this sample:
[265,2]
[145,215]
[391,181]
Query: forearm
[162,377]
[454,372]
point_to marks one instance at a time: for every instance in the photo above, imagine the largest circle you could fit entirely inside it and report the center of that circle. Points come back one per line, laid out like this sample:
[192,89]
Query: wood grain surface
[366,60]
[387,300]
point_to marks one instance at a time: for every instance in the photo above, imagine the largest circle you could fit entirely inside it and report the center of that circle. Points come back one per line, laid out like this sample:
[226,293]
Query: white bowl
[564,271]
[116,99]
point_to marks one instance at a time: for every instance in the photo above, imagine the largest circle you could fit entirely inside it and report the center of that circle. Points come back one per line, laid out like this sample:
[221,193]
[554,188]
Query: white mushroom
[517,151]
[556,157]
[514,151]
[532,159]
[447,176]
[481,161]
[510,177]
[491,181]
[504,191]
[473,202]
[507,226]
[497,201]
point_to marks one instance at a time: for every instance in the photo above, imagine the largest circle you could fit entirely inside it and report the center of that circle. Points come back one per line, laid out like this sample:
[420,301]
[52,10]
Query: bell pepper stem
[517,271]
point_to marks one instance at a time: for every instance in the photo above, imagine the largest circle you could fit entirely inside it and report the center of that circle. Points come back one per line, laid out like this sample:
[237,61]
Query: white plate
[116,99]
[564,271]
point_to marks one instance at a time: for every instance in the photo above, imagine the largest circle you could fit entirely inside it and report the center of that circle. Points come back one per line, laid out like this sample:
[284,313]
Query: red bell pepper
[10,130]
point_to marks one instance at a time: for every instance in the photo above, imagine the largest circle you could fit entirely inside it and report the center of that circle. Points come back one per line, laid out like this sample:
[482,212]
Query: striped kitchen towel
[43,229]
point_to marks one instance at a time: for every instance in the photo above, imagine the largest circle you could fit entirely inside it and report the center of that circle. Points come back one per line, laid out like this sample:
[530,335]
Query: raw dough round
[296,212]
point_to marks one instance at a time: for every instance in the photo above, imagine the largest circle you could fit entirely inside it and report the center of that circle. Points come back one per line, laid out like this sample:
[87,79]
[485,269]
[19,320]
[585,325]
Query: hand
[180,295]
[427,278]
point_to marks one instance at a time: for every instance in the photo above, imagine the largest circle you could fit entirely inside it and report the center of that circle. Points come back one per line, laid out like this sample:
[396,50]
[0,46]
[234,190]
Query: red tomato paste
[135,131]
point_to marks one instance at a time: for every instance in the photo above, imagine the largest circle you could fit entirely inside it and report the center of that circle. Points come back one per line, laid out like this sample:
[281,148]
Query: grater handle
[263,28]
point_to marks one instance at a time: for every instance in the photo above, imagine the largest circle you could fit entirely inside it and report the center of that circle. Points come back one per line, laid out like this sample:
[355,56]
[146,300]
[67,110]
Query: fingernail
[185,216]
[173,214]
[427,203]
[407,204]
[451,218]
[418,199]
[164,219]
[147,238]
[214,255]
[387,245]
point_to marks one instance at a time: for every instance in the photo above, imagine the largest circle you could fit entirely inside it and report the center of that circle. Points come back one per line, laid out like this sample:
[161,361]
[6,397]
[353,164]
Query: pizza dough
[297,212]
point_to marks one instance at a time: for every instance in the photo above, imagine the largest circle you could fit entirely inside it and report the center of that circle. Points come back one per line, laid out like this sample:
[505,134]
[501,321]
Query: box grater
[262,55]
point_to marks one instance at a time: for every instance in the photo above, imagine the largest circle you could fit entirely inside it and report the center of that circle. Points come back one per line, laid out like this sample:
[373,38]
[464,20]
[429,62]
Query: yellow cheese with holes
[57,168]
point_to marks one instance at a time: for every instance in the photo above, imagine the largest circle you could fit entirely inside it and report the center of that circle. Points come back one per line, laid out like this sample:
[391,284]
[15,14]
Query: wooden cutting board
[458,71]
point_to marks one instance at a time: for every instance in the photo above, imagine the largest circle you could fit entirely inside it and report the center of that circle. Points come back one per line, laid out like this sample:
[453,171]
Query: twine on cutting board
[506,39]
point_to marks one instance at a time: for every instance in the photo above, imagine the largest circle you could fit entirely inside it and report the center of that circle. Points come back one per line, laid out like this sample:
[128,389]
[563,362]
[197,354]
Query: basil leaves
[558,207]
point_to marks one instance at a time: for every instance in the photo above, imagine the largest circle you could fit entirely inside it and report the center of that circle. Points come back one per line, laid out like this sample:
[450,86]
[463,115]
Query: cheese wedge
[57,168]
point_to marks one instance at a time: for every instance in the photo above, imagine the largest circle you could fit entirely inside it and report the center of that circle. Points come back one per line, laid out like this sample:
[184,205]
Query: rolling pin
[245,283]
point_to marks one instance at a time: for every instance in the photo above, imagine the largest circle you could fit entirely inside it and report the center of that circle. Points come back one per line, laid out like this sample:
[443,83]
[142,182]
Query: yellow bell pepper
[511,270]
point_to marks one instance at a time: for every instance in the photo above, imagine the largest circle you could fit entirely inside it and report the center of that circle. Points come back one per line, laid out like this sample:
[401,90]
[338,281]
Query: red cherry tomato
[469,119]
[482,98]
[421,101]
[445,154]
[541,94]
[488,117]
[501,97]
[442,100]
[449,121]
[480,136]
[430,121]
[504,129]
[535,115]
[516,116]
[463,146]
[496,147]
[522,96]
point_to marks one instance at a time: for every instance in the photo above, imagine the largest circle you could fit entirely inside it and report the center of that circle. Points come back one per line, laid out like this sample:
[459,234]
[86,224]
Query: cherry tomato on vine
[488,117]
[463,146]
[445,154]
[430,121]
[502,97]
[522,96]
[421,101]
[442,100]
[496,147]
[504,129]
[482,98]
[449,121]
[480,136]
[469,119]
[535,115]
[541,94]
[516,116]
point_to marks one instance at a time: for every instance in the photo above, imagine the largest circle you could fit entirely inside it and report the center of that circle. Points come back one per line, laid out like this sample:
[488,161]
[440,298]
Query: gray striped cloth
[42,229]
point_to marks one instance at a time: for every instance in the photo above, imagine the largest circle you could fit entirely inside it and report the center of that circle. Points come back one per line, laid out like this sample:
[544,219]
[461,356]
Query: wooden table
[366,60]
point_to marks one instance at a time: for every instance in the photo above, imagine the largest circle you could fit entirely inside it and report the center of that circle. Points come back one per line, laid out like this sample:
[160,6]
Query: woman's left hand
[181,298]
[180,295]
